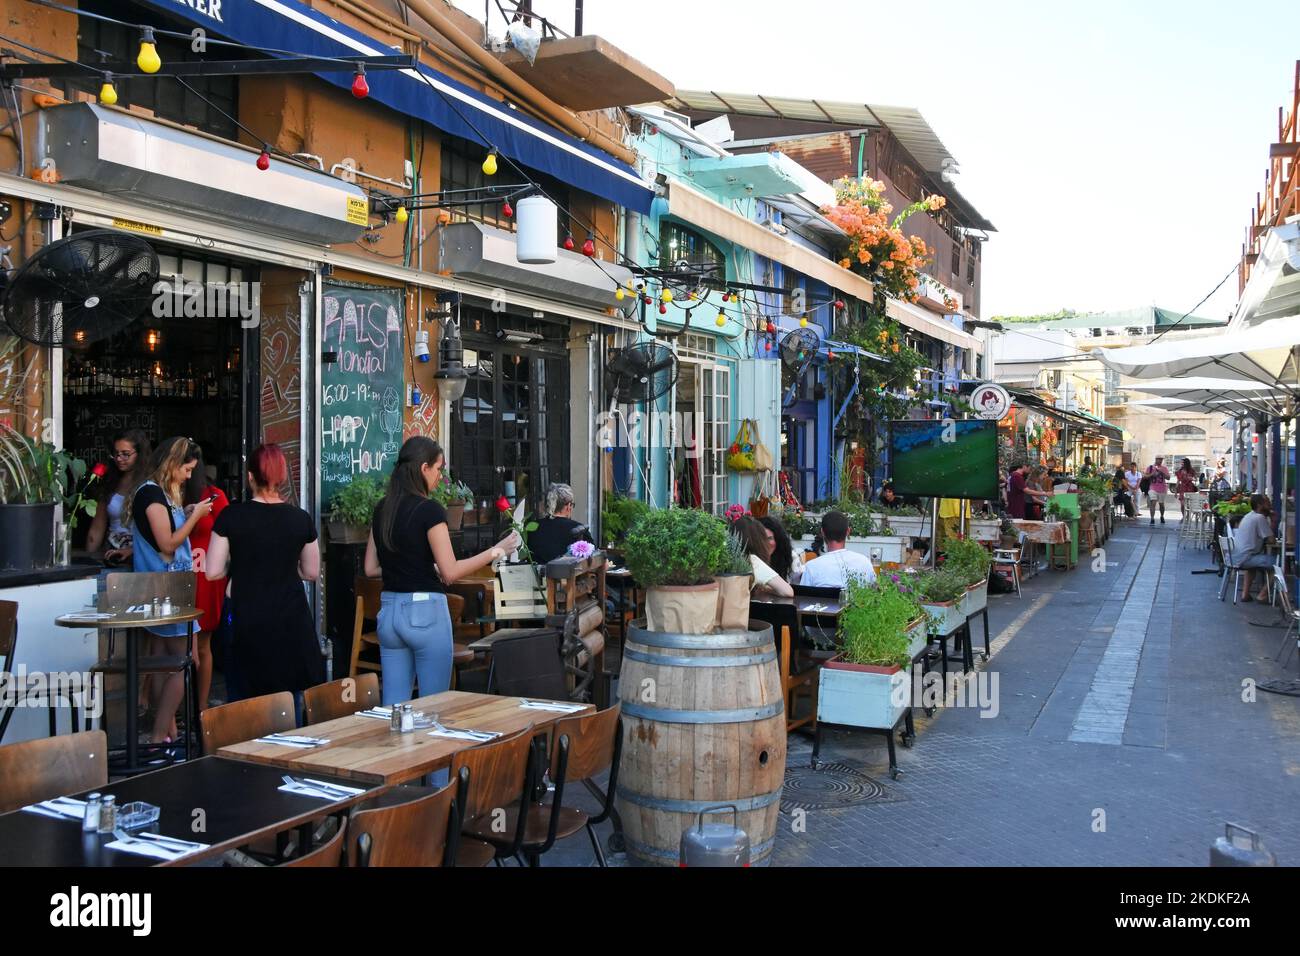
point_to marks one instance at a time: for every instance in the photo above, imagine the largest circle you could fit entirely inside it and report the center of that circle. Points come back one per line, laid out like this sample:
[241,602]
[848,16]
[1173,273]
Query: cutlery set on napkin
[141,843]
[553,705]
[454,733]
[292,740]
[61,808]
[308,787]
[379,713]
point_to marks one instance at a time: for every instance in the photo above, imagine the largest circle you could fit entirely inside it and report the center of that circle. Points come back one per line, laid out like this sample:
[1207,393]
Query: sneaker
[1153,520]
[1162,519]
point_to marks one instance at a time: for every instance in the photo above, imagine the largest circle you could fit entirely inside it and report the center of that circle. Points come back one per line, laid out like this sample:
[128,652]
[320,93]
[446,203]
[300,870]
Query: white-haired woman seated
[556,529]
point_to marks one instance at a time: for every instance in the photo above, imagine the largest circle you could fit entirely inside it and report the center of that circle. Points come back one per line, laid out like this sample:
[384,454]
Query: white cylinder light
[538,226]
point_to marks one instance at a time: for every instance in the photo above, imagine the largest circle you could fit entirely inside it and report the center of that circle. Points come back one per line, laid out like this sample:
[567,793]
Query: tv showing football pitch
[944,459]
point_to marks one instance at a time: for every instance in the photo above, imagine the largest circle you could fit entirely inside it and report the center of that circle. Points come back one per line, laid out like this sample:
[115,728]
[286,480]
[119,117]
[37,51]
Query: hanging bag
[763,489]
[762,454]
[740,456]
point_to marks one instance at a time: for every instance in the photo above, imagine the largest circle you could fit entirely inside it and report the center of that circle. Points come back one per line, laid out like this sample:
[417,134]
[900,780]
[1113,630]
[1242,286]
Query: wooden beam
[1283,150]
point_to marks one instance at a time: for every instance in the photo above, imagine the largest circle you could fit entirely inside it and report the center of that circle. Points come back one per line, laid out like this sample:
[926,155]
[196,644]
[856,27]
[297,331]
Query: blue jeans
[415,642]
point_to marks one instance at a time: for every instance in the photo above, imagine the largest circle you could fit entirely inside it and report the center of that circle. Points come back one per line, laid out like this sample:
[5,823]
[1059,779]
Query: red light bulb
[839,303]
[589,247]
[568,243]
[726,297]
[771,329]
[768,345]
[663,309]
[506,209]
[360,88]
[264,160]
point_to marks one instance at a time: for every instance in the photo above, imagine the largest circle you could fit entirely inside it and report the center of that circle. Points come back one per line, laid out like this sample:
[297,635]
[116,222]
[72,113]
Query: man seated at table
[1250,549]
[833,569]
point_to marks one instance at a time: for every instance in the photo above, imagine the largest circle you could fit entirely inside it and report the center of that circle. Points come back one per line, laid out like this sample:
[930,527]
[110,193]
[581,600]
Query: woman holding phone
[162,528]
[410,548]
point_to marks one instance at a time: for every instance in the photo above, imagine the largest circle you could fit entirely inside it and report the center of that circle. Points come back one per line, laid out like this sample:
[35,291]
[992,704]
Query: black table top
[238,802]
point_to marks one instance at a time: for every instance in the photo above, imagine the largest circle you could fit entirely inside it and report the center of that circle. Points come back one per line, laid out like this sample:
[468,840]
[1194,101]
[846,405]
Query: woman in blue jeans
[410,548]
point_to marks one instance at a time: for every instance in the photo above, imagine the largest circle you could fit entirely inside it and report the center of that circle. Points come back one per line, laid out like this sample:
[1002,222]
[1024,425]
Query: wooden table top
[240,802]
[122,619]
[365,749]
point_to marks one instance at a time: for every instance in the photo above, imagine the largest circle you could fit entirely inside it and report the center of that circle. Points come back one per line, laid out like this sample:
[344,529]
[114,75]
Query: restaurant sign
[990,400]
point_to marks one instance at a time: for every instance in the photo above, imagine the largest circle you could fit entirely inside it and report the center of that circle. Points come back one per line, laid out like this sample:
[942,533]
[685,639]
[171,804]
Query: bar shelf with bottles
[123,378]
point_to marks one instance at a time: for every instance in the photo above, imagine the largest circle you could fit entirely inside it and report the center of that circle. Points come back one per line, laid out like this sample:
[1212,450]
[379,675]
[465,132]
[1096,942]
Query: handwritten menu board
[361,407]
[94,425]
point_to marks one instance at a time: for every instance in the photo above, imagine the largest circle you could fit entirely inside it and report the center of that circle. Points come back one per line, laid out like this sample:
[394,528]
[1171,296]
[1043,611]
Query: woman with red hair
[267,546]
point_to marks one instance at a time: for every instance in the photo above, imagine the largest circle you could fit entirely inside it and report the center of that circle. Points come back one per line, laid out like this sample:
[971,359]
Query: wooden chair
[460,652]
[339,698]
[124,589]
[582,748]
[247,720]
[501,776]
[797,680]
[396,830]
[329,854]
[37,770]
[368,591]
[470,853]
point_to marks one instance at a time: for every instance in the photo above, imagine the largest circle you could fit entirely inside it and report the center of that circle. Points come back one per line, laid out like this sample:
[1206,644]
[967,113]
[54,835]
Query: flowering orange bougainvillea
[878,250]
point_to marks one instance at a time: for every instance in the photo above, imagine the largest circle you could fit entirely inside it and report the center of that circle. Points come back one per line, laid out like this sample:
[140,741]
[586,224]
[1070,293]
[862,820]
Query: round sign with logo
[990,401]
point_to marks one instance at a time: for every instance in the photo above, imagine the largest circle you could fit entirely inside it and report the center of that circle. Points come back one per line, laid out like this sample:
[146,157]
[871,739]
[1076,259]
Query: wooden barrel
[703,724]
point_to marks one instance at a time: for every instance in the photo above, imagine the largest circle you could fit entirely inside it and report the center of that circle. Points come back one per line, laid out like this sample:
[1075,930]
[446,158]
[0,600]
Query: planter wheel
[908,740]
[616,843]
[895,773]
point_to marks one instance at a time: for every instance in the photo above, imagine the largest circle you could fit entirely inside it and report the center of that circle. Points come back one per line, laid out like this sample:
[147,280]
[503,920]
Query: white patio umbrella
[1265,353]
[1216,394]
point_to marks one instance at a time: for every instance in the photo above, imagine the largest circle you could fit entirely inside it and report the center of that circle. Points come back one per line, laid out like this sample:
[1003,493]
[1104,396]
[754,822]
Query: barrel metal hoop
[755,852]
[697,806]
[668,660]
[726,641]
[741,715]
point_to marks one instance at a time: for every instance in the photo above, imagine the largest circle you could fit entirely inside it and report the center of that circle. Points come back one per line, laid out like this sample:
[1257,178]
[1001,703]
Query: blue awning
[290,25]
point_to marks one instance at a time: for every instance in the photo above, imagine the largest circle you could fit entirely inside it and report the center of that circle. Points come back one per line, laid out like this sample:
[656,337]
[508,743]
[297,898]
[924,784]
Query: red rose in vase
[100,470]
[503,504]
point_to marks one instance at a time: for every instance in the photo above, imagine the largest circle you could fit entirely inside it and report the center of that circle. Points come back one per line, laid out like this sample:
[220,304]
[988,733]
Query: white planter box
[861,698]
[986,530]
[917,636]
[946,618]
[976,599]
[877,547]
[913,527]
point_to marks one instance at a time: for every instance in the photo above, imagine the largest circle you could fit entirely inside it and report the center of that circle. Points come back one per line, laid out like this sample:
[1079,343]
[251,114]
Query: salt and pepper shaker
[395,718]
[90,823]
[167,606]
[157,608]
[408,719]
[108,814]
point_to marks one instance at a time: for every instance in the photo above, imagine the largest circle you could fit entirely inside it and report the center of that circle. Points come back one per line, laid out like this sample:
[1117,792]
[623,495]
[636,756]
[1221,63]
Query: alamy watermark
[626,427]
[40,689]
[188,299]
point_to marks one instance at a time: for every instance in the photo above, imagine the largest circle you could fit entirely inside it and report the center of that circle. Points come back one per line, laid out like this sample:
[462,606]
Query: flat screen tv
[944,459]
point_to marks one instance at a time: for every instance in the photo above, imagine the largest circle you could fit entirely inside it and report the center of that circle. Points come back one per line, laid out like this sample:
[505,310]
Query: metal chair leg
[595,843]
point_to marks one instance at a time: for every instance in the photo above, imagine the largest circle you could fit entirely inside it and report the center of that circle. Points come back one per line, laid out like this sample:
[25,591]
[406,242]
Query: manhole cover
[830,787]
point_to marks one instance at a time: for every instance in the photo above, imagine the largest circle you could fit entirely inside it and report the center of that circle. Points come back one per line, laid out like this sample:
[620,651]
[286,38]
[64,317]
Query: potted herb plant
[34,478]
[453,495]
[1010,537]
[866,684]
[675,554]
[735,579]
[619,514]
[1054,512]
[971,561]
[351,510]
[942,593]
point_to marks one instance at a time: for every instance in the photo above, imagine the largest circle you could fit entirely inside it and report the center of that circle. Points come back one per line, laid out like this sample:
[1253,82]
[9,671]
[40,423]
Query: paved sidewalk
[1120,738]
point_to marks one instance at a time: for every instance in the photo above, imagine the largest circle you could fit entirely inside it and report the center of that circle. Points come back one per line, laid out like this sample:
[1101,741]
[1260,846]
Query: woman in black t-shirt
[410,548]
[267,547]
[557,530]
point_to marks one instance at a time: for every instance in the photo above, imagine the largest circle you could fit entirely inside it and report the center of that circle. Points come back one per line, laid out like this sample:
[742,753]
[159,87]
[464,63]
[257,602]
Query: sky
[1117,146]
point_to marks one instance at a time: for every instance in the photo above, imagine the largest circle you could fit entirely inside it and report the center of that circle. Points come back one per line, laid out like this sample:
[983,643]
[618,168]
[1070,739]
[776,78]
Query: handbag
[740,456]
[1145,484]
[762,454]
[762,499]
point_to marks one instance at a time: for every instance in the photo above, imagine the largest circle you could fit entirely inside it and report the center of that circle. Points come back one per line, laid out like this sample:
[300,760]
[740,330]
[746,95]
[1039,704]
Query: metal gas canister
[1240,847]
[715,844]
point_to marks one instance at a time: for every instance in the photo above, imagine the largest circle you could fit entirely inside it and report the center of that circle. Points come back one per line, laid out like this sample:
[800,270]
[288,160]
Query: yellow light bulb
[108,93]
[667,295]
[490,165]
[722,319]
[803,323]
[620,294]
[402,215]
[148,60]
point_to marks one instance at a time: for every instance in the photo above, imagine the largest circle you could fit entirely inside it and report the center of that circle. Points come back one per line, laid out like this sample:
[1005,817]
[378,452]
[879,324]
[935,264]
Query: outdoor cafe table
[132,624]
[240,803]
[1043,532]
[365,749]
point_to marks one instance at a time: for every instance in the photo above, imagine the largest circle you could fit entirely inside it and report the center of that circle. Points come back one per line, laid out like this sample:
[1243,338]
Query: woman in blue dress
[162,527]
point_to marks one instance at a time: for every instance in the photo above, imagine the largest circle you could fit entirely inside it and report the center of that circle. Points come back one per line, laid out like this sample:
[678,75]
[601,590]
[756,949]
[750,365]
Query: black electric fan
[82,289]
[798,349]
[640,373]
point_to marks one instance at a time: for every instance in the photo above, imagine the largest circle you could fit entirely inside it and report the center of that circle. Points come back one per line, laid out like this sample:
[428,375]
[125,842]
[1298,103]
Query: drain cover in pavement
[830,787]
[1290,688]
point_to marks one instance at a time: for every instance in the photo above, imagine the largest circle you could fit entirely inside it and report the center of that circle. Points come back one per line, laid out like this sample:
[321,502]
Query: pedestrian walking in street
[1187,483]
[1157,476]
[1133,479]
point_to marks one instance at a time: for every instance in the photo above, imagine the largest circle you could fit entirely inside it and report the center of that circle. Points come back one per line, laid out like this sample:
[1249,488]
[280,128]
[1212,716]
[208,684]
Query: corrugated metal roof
[905,122]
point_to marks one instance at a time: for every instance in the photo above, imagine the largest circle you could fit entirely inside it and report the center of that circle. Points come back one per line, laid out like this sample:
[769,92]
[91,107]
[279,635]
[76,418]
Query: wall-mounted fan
[81,289]
[640,373]
[798,349]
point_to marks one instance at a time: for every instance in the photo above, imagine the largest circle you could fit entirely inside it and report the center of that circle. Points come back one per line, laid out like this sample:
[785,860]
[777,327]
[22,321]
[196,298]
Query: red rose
[100,470]
[503,504]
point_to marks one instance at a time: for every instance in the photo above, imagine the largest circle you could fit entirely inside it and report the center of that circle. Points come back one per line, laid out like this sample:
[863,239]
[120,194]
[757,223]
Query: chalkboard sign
[95,424]
[361,406]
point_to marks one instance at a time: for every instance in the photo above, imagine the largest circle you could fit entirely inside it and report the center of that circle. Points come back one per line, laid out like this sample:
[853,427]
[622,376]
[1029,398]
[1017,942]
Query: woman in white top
[759,543]
[128,462]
